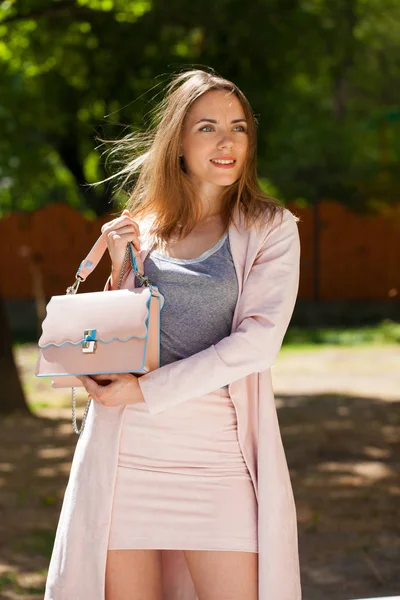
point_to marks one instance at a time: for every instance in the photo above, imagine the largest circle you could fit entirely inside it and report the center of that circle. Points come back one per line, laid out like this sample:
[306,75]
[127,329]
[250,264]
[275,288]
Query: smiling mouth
[223,161]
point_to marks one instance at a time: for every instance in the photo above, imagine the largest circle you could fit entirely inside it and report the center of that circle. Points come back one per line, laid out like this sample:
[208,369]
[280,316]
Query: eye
[240,128]
[208,127]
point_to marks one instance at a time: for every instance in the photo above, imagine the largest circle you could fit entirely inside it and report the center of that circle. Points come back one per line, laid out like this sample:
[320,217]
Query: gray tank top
[200,299]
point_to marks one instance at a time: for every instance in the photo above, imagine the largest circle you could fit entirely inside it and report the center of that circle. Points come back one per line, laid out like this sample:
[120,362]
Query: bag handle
[91,261]
[89,264]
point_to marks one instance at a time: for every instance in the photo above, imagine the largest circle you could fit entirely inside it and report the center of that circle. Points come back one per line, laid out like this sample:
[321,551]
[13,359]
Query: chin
[221,179]
[225,181]
[224,178]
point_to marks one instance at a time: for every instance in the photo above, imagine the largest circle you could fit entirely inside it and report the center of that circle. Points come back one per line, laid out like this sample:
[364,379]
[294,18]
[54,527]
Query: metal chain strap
[74,424]
[121,275]
[144,281]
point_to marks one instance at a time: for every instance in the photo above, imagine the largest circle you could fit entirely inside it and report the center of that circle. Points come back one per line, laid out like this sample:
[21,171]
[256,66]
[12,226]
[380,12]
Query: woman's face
[215,130]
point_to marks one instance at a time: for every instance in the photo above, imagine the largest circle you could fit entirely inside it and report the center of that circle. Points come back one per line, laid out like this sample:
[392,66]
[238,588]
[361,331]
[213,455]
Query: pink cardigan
[267,266]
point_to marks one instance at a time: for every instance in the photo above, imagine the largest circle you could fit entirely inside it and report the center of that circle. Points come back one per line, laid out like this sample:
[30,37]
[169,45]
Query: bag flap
[115,315]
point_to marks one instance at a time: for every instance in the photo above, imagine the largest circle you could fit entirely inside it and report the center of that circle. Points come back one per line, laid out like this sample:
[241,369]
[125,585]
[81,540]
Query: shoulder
[274,235]
[281,234]
[272,221]
[283,220]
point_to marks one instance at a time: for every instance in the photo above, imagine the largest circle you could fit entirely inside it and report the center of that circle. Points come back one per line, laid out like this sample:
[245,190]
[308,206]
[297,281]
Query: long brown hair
[161,186]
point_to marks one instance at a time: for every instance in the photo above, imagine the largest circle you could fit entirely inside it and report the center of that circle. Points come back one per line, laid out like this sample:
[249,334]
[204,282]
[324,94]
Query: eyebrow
[214,121]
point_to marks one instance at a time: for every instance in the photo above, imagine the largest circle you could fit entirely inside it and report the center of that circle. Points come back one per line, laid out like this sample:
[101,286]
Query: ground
[339,412]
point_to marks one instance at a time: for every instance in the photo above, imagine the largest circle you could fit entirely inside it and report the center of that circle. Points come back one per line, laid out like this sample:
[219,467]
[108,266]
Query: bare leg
[133,575]
[222,575]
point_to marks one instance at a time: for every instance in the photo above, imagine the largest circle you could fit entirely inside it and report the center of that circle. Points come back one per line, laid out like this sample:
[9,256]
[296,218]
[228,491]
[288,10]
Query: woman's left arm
[265,309]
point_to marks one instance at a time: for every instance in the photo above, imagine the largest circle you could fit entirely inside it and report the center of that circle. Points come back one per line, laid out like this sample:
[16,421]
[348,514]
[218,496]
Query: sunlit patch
[53,452]
[6,467]
[351,471]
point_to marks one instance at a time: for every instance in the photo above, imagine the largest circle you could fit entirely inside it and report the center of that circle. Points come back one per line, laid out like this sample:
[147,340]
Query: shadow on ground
[343,454]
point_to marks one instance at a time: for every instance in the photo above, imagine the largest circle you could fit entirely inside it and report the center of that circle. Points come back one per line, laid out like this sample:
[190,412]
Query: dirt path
[339,411]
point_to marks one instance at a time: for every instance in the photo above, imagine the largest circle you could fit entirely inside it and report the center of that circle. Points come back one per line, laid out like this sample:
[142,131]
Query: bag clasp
[89,344]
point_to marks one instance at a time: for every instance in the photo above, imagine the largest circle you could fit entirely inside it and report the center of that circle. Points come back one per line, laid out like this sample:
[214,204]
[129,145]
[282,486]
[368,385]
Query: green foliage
[388,332]
[323,78]
[9,582]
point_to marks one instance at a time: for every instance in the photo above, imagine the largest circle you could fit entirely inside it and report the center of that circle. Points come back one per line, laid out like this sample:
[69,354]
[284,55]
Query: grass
[387,332]
[9,580]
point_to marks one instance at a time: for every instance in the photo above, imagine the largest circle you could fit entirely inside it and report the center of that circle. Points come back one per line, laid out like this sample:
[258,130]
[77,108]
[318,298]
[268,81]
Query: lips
[227,162]
[223,160]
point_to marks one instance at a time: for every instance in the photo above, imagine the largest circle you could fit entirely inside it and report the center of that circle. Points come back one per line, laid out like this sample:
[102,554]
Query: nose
[225,142]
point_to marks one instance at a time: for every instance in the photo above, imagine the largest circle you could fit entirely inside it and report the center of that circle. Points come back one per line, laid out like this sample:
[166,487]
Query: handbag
[105,332]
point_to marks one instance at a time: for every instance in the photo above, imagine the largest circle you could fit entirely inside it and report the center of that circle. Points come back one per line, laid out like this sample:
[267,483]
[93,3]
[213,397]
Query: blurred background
[323,77]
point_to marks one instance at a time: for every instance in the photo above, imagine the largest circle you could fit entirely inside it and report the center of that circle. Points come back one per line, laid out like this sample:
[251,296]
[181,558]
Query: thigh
[133,575]
[221,575]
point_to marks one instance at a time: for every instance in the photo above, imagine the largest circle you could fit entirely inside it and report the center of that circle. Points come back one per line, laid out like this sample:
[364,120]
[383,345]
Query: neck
[209,196]
[210,206]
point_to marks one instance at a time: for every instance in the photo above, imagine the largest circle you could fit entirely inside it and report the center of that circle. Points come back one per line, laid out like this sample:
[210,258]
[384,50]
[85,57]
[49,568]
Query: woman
[179,487]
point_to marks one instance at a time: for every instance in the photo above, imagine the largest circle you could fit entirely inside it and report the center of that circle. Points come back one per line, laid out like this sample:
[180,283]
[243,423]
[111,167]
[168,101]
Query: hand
[118,233]
[113,390]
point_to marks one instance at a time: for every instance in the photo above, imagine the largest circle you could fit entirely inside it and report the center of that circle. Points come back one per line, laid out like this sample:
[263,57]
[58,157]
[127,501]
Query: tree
[316,72]
[12,395]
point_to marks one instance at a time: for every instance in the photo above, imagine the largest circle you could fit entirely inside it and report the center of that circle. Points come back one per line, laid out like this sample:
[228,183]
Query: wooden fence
[352,257]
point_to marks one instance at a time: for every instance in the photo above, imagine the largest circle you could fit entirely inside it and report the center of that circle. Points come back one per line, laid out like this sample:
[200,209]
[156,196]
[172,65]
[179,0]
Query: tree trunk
[12,397]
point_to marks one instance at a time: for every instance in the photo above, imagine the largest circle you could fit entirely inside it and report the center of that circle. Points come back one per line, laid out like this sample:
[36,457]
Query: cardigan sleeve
[265,308]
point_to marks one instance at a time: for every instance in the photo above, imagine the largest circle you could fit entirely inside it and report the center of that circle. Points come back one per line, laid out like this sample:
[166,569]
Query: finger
[116,237]
[105,377]
[90,385]
[119,223]
[123,220]
[83,379]
[108,225]
[122,223]
[127,230]
[126,213]
[127,220]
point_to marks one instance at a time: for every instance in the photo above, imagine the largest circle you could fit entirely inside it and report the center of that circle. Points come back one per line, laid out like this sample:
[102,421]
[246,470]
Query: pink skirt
[182,482]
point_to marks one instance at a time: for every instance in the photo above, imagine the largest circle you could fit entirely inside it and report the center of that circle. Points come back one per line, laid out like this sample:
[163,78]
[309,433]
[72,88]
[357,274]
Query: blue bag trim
[133,259]
[88,338]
